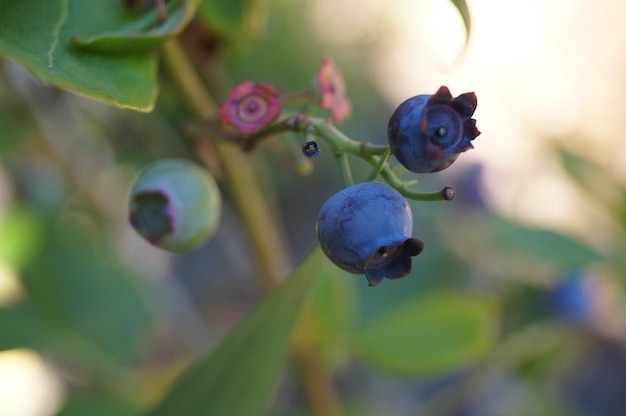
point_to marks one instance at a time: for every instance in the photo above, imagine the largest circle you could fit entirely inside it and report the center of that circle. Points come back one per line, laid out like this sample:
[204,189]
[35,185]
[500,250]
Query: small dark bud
[448,193]
[311,149]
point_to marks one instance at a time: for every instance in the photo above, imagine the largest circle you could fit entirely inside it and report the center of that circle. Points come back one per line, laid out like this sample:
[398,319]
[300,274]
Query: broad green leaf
[461,6]
[429,335]
[22,327]
[37,34]
[76,285]
[540,244]
[237,376]
[430,271]
[237,22]
[143,34]
[537,351]
[88,403]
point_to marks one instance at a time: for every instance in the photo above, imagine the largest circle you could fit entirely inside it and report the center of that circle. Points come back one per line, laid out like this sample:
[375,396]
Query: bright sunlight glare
[28,387]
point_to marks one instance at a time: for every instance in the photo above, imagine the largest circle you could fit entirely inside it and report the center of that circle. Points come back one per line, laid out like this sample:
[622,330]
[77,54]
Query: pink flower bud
[333,88]
[250,107]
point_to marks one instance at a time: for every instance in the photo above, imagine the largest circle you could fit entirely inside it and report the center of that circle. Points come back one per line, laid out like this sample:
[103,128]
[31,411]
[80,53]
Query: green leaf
[429,335]
[22,327]
[540,244]
[76,285]
[461,6]
[37,34]
[538,351]
[579,168]
[88,403]
[237,377]
[333,303]
[142,34]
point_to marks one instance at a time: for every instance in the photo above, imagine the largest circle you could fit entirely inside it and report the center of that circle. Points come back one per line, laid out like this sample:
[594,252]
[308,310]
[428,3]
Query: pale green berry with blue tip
[175,204]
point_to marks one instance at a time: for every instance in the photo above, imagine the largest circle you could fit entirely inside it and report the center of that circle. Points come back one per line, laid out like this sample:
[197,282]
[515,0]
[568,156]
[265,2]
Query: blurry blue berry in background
[573,297]
[366,228]
[470,186]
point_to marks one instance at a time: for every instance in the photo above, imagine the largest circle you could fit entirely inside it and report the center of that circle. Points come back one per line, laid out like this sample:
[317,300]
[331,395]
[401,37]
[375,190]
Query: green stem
[318,382]
[184,74]
[344,169]
[339,141]
[379,167]
[162,13]
[375,155]
[320,127]
[251,143]
[242,180]
[446,194]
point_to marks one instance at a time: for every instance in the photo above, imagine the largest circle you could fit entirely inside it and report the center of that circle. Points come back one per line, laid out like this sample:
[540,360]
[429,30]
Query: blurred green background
[514,308]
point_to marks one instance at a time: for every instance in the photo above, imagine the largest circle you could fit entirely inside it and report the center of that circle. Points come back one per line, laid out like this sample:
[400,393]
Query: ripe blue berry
[428,132]
[366,228]
[175,205]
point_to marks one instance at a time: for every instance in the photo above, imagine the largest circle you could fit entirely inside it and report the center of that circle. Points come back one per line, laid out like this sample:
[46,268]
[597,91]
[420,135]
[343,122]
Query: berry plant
[195,135]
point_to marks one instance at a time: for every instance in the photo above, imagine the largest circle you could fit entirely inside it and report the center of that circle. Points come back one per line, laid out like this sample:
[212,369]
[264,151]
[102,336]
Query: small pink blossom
[333,87]
[250,107]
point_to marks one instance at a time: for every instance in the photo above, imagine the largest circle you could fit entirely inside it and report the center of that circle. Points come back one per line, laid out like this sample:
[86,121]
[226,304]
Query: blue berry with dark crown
[428,132]
[366,228]
[175,205]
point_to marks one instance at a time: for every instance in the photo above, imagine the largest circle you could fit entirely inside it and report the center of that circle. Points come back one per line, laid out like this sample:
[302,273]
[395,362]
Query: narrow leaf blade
[541,244]
[236,377]
[461,6]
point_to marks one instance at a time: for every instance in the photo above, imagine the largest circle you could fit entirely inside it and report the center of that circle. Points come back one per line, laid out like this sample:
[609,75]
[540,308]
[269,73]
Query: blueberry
[366,228]
[175,205]
[471,181]
[572,298]
[428,132]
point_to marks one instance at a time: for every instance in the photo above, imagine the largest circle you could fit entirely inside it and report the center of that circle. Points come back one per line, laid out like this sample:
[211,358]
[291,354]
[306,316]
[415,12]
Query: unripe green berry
[175,205]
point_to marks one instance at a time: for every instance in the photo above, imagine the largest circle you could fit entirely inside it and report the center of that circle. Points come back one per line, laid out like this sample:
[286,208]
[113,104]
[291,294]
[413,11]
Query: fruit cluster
[364,228]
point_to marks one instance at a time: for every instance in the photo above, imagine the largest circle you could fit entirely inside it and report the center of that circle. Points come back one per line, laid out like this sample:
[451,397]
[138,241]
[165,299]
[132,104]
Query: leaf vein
[56,33]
